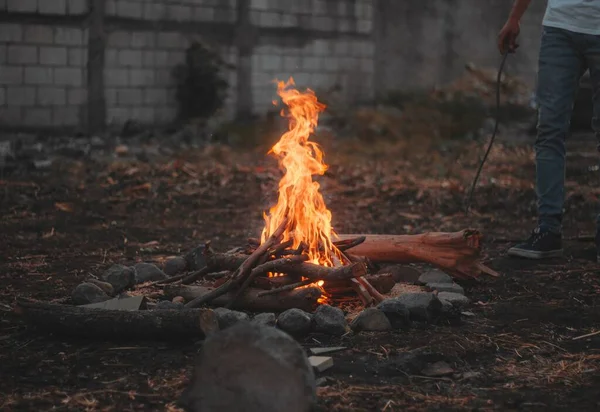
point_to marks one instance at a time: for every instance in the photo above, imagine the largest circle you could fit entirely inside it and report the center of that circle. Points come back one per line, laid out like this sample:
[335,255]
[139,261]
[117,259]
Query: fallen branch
[343,245]
[285,288]
[251,300]
[314,272]
[118,324]
[456,253]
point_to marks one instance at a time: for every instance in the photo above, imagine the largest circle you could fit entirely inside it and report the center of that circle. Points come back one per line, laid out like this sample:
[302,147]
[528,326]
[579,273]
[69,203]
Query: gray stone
[168,305]
[294,321]
[228,318]
[371,320]
[196,259]
[148,272]
[402,273]
[251,367]
[175,266]
[435,276]
[105,286]
[267,319]
[120,277]
[396,312]
[422,306]
[447,287]
[456,299]
[85,293]
[330,320]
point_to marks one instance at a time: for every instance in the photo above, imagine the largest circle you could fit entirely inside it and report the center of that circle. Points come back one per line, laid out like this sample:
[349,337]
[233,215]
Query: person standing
[570,45]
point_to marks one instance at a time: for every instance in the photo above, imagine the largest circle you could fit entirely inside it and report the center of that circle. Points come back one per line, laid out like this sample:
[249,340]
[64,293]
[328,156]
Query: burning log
[457,253]
[252,299]
[118,324]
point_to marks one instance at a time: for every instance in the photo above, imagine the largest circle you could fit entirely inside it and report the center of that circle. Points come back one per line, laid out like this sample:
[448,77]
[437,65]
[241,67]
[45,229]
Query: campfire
[299,261]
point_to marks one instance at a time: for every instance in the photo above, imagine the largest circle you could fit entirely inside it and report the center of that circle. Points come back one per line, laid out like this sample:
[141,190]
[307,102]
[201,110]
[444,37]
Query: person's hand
[507,38]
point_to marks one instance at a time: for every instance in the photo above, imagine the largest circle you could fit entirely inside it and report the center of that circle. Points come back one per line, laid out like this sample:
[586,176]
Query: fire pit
[299,262]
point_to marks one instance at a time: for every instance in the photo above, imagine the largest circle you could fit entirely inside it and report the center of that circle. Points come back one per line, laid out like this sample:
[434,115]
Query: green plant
[200,87]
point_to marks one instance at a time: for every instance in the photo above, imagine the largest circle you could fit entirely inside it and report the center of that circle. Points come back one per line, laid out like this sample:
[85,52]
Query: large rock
[382,282]
[105,286]
[228,318]
[446,287]
[148,272]
[195,258]
[371,320]
[330,320]
[168,305]
[251,368]
[85,293]
[456,299]
[175,266]
[422,306]
[435,276]
[396,312]
[266,319]
[120,277]
[294,321]
[402,273]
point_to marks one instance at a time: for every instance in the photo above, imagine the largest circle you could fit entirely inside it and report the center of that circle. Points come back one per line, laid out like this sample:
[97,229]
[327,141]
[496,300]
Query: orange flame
[299,196]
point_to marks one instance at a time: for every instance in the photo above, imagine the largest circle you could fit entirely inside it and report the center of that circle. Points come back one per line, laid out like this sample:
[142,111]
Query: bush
[200,88]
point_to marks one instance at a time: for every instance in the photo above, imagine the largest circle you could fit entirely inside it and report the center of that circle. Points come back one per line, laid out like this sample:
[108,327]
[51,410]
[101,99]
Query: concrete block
[270,62]
[39,75]
[20,96]
[141,40]
[324,23]
[53,7]
[155,97]
[322,47]
[111,58]
[118,115]
[269,19]
[170,40]
[20,54]
[3,54]
[367,65]
[77,6]
[3,5]
[141,77]
[130,58]
[116,77]
[311,63]
[203,14]
[38,34]
[176,57]
[77,96]
[53,56]
[164,114]
[331,64]
[291,63]
[144,115]
[65,116]
[21,5]
[119,39]
[40,117]
[111,7]
[11,33]
[11,75]
[148,58]
[341,47]
[179,12]
[51,96]
[77,57]
[11,116]
[163,77]
[68,76]
[68,36]
[129,97]
[110,95]
[161,58]
[259,4]
[154,11]
[365,26]
[131,9]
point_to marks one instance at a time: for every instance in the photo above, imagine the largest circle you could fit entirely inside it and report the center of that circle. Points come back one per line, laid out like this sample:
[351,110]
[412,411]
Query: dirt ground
[518,350]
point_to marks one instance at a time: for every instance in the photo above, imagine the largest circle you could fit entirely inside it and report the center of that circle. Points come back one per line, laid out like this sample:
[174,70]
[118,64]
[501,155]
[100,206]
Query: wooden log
[457,253]
[315,272]
[305,298]
[118,324]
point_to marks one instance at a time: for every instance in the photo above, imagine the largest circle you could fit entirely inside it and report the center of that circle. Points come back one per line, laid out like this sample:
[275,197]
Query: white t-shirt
[580,16]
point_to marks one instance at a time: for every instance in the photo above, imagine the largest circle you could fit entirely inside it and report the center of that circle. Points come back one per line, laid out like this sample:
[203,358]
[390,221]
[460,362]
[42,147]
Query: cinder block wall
[44,55]
[42,67]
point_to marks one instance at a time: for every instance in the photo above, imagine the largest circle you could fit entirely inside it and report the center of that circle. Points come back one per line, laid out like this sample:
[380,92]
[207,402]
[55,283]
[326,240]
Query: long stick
[287,287]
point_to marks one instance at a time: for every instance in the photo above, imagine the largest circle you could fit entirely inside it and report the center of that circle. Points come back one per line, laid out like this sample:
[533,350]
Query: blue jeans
[564,57]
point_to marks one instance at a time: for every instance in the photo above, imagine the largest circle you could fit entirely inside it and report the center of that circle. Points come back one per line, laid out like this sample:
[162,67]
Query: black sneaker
[540,245]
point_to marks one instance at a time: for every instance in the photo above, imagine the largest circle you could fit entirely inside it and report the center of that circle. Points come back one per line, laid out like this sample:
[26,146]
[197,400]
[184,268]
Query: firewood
[118,324]
[456,253]
[224,261]
[316,272]
[242,271]
[285,288]
[343,245]
[304,298]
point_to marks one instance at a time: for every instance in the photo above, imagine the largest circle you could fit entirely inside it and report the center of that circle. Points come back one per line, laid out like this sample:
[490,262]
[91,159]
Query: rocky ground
[72,209]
